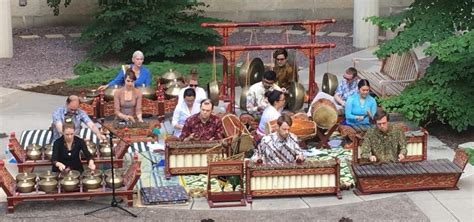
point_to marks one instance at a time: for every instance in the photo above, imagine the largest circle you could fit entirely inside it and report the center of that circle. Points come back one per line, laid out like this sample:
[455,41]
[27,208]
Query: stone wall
[37,13]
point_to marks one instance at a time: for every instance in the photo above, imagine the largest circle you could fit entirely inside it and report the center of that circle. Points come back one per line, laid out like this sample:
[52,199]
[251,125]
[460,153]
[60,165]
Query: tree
[160,28]
[445,92]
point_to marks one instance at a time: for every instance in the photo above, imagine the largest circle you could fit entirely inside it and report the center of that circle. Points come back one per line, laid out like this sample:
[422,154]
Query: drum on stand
[324,113]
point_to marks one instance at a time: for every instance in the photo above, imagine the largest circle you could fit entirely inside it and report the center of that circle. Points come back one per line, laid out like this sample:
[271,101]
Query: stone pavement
[21,110]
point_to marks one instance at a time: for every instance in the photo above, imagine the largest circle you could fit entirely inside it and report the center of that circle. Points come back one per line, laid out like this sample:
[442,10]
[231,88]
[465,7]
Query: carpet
[396,208]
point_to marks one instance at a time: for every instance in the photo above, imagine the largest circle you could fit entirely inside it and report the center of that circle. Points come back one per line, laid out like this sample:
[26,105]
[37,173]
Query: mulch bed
[60,89]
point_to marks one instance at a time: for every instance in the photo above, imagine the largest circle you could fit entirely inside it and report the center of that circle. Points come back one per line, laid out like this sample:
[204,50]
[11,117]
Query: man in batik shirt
[385,143]
[280,146]
[203,125]
[285,73]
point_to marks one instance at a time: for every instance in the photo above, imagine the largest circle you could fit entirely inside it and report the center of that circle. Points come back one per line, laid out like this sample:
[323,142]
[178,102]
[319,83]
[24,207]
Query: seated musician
[285,73]
[193,84]
[203,125]
[385,143]
[280,146]
[72,111]
[143,74]
[184,111]
[256,101]
[128,100]
[346,87]
[360,107]
[276,99]
[66,151]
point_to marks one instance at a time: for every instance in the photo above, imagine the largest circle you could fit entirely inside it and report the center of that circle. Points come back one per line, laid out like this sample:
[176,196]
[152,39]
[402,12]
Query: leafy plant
[159,28]
[87,66]
[445,92]
[470,154]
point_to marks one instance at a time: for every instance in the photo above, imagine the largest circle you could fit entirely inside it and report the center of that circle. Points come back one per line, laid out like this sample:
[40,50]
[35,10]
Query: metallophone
[409,176]
[190,157]
[25,165]
[7,182]
[307,178]
[417,146]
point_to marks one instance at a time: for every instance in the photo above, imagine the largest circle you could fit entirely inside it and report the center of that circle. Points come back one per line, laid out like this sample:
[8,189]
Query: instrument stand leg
[114,203]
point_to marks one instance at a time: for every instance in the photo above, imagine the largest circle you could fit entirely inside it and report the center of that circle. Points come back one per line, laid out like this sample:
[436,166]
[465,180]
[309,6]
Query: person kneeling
[280,146]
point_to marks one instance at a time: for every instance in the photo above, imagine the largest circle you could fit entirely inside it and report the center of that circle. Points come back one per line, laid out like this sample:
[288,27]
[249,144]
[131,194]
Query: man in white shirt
[193,84]
[256,101]
[185,110]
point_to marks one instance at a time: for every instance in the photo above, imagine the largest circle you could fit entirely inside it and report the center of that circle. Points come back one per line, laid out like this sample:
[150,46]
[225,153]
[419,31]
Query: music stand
[114,203]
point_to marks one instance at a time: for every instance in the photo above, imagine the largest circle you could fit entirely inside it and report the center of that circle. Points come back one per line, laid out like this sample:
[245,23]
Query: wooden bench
[397,72]
[25,165]
[8,183]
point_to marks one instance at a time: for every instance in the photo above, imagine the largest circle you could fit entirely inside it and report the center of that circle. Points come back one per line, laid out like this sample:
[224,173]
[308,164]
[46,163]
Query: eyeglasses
[193,85]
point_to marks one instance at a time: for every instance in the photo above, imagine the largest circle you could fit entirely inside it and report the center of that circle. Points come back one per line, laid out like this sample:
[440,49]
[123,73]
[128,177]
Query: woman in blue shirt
[360,107]
[143,74]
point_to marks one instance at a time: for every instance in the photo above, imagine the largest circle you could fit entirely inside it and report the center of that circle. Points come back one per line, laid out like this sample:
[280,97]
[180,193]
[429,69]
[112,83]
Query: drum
[302,127]
[324,113]
[234,127]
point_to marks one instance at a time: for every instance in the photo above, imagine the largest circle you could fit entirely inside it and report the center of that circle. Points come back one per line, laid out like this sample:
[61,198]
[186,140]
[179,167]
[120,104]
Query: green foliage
[159,28]
[96,78]
[470,154]
[87,66]
[445,92]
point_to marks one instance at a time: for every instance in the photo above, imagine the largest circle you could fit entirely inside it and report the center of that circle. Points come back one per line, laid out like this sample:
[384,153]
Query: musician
[143,74]
[66,151]
[203,125]
[76,115]
[285,73]
[128,100]
[280,146]
[385,143]
[184,111]
[256,101]
[346,87]
[360,107]
[273,111]
[193,84]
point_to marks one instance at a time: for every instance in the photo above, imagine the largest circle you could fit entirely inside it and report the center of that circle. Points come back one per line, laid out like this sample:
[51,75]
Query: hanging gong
[213,89]
[170,75]
[295,96]
[243,98]
[329,83]
[252,71]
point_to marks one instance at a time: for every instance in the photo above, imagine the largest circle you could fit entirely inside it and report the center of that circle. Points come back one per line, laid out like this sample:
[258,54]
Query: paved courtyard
[21,110]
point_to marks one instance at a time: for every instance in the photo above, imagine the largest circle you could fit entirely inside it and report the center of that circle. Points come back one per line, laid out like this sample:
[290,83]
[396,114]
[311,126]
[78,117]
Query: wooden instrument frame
[175,150]
[250,172]
[225,168]
[7,182]
[385,184]
[226,28]
[25,165]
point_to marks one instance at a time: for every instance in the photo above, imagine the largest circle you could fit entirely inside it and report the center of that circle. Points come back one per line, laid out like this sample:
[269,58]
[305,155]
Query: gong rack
[226,28]
[231,53]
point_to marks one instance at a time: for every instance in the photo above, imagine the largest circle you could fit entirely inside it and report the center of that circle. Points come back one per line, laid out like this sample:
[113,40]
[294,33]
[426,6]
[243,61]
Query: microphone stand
[114,203]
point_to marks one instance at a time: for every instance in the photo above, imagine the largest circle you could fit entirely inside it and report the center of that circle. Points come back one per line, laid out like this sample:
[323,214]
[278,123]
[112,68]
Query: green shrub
[445,93]
[87,66]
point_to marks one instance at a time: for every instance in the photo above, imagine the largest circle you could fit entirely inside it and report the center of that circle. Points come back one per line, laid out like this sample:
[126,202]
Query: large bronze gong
[295,96]
[252,71]
[329,83]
